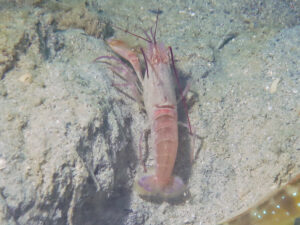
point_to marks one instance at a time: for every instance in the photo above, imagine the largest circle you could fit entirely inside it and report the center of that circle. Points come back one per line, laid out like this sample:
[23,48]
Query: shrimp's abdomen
[165,139]
[165,143]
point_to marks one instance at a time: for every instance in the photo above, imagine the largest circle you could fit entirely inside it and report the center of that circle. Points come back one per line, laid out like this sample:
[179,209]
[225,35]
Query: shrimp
[156,90]
[280,208]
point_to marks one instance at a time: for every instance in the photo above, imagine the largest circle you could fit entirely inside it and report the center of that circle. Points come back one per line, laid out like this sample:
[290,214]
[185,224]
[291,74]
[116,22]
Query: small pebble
[274,85]
[26,78]
[2,163]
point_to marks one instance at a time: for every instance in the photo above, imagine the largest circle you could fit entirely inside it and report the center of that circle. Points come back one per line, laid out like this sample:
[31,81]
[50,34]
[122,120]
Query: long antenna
[136,35]
[156,25]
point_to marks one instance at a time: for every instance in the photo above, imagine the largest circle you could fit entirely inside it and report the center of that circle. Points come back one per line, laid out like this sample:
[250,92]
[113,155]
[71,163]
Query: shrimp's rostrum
[156,90]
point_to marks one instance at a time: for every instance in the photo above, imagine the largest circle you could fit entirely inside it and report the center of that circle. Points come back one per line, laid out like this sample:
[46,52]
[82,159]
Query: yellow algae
[281,207]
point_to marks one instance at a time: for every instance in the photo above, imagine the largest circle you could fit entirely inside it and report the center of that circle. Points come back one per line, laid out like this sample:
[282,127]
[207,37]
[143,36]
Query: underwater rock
[64,148]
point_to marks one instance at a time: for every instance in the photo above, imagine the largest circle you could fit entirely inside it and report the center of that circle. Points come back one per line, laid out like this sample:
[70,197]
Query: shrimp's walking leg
[142,161]
[192,152]
[182,98]
[127,74]
[180,90]
[140,151]
[184,92]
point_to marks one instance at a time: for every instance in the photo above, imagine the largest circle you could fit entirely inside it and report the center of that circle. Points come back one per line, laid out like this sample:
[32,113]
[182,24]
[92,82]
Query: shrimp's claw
[126,53]
[148,187]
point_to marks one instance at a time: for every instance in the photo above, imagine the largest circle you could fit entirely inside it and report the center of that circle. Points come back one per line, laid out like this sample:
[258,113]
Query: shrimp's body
[280,208]
[161,107]
[157,91]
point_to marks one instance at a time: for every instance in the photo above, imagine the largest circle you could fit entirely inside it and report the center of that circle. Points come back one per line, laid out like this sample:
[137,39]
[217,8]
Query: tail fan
[147,186]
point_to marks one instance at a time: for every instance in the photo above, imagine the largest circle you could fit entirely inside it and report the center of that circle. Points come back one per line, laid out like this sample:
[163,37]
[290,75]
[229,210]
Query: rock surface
[69,141]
